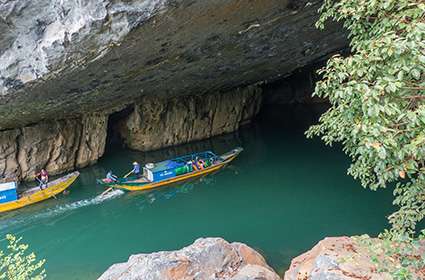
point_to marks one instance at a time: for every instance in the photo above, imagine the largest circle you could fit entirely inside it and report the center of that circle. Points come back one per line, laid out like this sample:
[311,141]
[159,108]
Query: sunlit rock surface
[58,146]
[342,258]
[161,122]
[63,58]
[207,258]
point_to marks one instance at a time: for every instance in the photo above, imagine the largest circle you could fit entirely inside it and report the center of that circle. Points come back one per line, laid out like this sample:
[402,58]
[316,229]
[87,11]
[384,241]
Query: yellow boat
[175,170]
[36,194]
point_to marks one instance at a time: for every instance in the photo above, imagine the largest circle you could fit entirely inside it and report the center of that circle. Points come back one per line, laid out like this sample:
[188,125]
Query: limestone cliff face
[63,59]
[58,146]
[161,122]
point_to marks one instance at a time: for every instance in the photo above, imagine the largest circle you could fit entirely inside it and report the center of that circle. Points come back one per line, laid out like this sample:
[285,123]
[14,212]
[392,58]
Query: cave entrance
[288,102]
[117,119]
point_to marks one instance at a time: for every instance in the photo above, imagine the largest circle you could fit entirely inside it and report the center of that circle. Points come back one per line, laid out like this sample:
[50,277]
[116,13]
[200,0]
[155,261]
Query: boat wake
[59,210]
[81,203]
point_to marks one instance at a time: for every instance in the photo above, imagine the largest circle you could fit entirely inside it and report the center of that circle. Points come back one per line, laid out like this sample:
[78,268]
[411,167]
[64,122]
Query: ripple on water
[24,220]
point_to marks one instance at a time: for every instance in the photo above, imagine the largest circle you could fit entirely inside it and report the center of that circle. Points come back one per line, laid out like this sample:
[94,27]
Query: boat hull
[227,158]
[55,187]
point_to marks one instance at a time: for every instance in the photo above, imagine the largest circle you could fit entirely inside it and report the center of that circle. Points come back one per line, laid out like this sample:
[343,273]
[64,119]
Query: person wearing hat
[136,169]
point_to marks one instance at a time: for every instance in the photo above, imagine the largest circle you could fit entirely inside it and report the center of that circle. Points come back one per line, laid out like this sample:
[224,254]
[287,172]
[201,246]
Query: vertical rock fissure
[18,141]
[80,142]
[52,148]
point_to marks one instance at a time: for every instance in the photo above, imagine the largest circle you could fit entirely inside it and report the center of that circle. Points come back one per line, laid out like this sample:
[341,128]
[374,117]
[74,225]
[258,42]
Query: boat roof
[186,158]
[165,165]
[173,163]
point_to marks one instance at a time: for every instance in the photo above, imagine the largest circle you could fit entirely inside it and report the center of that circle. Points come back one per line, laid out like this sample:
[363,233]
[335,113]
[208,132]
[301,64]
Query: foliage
[402,258]
[15,264]
[377,97]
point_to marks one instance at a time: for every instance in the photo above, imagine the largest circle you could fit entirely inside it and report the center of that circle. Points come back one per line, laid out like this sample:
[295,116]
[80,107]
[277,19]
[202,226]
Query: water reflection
[149,197]
[219,144]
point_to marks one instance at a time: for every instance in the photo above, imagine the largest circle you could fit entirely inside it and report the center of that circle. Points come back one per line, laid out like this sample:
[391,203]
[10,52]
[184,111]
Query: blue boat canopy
[167,168]
[180,161]
[165,165]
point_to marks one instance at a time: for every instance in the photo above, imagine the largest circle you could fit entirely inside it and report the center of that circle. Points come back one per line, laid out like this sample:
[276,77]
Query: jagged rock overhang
[189,47]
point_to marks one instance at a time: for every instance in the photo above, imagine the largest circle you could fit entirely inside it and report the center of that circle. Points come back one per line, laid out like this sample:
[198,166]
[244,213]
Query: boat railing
[191,157]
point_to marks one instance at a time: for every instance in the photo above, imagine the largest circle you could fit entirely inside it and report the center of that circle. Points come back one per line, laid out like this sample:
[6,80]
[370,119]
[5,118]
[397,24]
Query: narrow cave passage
[160,123]
[115,121]
[288,103]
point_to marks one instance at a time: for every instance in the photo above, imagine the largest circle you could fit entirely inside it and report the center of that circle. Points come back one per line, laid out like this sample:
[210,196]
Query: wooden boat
[36,194]
[174,170]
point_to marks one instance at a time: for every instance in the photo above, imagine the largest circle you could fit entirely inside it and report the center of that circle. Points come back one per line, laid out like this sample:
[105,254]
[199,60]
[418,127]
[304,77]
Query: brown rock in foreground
[206,258]
[338,258]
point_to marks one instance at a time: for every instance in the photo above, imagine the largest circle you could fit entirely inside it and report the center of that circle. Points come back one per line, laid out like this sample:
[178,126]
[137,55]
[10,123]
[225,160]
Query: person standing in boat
[136,169]
[44,179]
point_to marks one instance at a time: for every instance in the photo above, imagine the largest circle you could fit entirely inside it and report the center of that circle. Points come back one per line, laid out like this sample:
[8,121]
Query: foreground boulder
[207,258]
[345,258]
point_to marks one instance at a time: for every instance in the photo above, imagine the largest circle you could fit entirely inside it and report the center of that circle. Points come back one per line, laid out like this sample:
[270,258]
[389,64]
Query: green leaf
[416,74]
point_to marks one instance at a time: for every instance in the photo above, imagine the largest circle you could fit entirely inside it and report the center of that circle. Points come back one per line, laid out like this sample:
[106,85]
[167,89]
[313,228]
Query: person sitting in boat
[189,165]
[194,165]
[201,164]
[136,169]
[110,177]
[43,179]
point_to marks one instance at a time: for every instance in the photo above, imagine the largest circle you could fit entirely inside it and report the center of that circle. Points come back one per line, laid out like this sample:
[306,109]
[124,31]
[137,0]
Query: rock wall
[206,258]
[57,146]
[63,58]
[161,122]
[63,145]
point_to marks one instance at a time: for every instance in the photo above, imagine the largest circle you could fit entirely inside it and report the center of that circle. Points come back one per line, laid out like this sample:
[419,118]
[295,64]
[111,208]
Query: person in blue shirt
[136,169]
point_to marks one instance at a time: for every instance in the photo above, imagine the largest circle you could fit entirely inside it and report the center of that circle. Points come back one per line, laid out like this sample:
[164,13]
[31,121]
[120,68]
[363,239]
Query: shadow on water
[282,195]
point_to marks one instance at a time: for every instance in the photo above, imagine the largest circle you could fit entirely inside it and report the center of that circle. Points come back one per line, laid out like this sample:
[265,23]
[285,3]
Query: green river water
[281,196]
